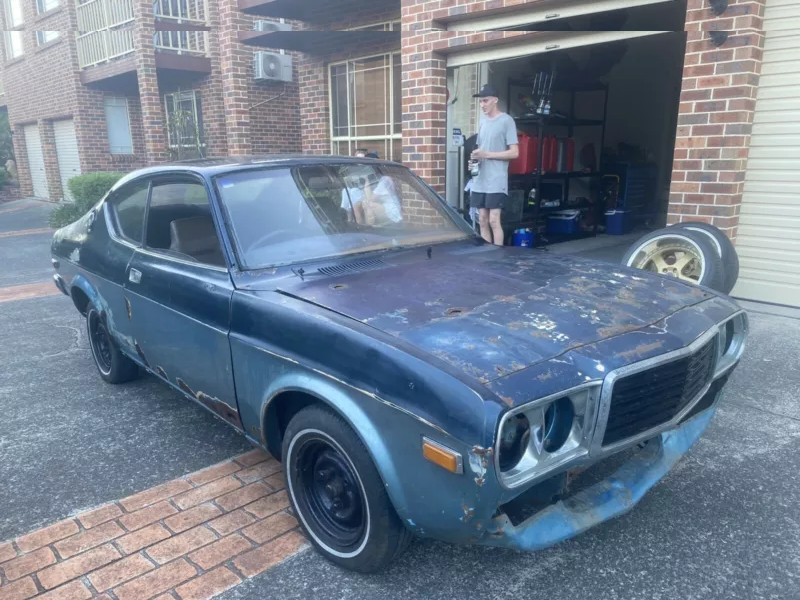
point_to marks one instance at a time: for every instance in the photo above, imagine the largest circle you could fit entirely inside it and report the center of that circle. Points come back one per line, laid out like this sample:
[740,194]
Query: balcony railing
[105,28]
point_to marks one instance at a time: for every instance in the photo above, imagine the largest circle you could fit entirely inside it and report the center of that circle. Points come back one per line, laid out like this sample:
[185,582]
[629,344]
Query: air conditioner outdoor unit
[270,66]
[272,26]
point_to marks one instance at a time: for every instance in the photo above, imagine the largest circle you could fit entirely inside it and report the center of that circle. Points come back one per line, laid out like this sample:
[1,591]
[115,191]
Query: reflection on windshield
[286,215]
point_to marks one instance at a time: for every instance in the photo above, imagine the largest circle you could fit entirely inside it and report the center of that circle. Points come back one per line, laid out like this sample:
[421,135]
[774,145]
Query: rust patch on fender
[469,512]
[455,312]
[545,376]
[161,372]
[507,400]
[128,308]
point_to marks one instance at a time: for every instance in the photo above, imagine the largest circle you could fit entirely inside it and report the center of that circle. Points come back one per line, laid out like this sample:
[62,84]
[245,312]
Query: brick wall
[40,86]
[313,69]
[152,107]
[716,114]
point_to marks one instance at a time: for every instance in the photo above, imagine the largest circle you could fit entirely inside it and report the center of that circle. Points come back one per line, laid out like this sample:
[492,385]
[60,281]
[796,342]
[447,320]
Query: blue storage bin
[565,221]
[618,222]
[523,238]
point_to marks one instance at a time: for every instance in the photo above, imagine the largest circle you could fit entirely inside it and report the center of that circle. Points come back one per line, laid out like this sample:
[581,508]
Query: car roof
[209,167]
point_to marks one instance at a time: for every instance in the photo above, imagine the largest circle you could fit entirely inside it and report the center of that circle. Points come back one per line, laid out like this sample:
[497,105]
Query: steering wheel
[283,234]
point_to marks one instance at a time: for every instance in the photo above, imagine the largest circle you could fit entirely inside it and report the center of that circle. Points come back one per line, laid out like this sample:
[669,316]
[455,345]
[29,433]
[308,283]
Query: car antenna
[430,252]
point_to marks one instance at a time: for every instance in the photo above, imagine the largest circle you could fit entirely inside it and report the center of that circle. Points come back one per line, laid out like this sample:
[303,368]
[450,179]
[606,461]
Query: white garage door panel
[69,164]
[772,206]
[777,129]
[771,188]
[544,42]
[761,152]
[747,288]
[771,227]
[33,145]
[768,238]
[545,10]
[778,91]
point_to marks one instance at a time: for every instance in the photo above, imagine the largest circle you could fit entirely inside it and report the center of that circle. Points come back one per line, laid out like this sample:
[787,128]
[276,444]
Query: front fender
[429,499]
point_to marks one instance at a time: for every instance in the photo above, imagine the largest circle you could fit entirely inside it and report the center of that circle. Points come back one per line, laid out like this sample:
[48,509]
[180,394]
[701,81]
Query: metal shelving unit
[535,179]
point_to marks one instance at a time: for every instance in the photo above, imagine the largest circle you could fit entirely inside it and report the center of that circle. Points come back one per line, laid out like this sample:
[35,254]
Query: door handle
[134,275]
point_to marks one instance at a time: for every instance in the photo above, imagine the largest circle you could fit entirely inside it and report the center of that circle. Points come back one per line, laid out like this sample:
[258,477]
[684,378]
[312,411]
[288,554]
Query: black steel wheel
[338,494]
[331,493]
[114,366]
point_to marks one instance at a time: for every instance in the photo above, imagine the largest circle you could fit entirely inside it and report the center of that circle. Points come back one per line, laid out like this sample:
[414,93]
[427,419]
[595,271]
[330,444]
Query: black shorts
[490,200]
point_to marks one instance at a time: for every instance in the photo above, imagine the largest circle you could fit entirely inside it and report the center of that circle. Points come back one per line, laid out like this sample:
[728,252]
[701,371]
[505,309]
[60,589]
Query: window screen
[129,205]
[118,126]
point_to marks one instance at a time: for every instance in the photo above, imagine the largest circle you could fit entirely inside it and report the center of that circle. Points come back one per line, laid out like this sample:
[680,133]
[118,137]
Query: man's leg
[496,225]
[483,219]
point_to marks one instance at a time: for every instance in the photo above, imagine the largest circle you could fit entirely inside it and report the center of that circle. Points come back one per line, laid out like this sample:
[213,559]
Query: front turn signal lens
[443,456]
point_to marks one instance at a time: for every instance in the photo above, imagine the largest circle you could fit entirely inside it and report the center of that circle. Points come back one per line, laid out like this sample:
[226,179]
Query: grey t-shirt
[494,135]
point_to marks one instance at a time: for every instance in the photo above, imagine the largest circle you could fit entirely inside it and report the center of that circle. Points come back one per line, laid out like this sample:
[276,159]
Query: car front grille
[650,398]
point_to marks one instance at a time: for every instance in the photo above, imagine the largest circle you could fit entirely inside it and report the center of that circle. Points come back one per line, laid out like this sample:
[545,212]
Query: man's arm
[510,154]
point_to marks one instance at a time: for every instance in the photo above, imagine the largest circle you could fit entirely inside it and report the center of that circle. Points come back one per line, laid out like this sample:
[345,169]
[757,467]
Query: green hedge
[87,190]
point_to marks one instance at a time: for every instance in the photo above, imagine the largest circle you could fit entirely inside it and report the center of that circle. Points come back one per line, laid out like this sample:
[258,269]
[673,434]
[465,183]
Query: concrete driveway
[725,523]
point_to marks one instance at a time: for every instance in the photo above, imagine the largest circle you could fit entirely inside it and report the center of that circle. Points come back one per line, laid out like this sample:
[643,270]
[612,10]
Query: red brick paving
[29,290]
[188,539]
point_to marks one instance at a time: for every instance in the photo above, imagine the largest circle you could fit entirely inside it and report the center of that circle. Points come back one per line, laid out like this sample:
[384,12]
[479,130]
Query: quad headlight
[537,438]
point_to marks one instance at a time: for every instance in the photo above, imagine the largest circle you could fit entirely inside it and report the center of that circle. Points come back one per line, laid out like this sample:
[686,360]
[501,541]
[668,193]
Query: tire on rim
[114,366]
[683,254]
[338,494]
[724,247]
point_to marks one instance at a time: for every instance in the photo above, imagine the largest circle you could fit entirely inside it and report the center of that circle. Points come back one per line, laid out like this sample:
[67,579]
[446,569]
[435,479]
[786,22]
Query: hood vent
[359,266]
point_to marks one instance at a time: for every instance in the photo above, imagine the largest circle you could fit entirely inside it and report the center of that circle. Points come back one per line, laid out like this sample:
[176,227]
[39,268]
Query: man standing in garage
[497,146]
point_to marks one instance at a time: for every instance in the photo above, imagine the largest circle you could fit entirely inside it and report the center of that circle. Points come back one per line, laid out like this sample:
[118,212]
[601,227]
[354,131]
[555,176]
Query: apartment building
[118,84]
[692,105]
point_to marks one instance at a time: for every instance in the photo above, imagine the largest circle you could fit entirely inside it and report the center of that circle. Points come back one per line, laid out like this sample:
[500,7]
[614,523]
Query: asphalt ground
[725,523]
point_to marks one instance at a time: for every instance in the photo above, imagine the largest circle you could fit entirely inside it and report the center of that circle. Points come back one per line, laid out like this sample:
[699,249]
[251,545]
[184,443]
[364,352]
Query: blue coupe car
[412,379]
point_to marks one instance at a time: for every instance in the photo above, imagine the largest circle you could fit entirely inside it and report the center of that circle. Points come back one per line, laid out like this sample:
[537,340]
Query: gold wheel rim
[674,258]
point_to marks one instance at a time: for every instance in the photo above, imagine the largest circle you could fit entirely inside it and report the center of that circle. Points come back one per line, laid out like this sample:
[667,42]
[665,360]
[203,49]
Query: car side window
[128,208]
[179,223]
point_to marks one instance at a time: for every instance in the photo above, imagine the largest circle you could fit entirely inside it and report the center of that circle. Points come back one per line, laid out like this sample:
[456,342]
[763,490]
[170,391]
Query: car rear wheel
[724,247]
[114,366]
[338,495]
[680,253]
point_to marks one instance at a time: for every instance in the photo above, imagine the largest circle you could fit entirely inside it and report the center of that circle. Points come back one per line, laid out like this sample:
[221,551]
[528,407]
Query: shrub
[86,190]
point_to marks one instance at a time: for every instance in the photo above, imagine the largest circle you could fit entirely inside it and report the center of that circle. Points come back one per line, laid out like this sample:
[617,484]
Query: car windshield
[281,216]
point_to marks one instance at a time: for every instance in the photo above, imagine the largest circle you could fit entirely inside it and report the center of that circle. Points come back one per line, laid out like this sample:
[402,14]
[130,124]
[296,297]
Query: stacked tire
[692,251]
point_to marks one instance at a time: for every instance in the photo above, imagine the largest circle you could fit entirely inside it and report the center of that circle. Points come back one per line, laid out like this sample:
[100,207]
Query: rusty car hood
[492,311]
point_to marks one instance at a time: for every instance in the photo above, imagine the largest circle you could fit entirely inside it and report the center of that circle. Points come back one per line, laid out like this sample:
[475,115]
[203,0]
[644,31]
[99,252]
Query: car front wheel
[338,495]
[114,366]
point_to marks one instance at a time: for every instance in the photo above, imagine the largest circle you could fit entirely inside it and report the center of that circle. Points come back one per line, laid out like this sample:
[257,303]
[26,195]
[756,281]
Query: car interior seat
[196,237]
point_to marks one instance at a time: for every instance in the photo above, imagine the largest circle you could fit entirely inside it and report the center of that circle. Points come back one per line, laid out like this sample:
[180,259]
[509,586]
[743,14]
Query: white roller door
[768,240]
[33,144]
[541,12]
[547,41]
[69,164]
